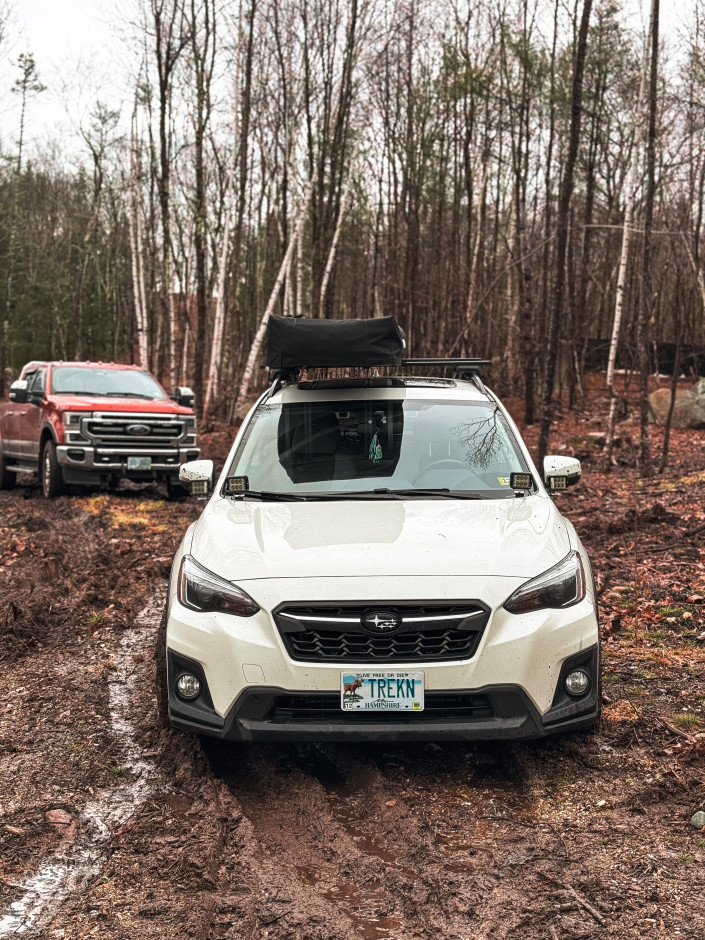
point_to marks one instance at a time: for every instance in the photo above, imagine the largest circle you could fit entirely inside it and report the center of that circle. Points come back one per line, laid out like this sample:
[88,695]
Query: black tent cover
[300,343]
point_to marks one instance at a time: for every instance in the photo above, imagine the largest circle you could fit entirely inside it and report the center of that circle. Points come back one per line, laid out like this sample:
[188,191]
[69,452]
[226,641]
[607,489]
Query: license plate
[139,463]
[381,691]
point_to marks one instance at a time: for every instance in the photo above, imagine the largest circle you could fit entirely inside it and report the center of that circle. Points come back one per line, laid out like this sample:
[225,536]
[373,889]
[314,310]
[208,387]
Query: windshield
[120,383]
[386,446]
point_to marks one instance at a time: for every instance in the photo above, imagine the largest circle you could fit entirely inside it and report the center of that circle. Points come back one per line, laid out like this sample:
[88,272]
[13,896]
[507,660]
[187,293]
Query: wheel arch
[47,434]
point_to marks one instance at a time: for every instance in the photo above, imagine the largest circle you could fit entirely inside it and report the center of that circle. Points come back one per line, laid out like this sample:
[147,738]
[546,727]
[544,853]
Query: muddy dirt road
[113,826]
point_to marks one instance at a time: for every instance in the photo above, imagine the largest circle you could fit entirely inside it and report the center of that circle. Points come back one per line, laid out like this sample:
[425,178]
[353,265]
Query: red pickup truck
[93,423]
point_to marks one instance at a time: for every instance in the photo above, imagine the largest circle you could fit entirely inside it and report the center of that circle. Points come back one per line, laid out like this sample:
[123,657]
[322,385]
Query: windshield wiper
[269,496]
[441,493]
[125,395]
[384,493]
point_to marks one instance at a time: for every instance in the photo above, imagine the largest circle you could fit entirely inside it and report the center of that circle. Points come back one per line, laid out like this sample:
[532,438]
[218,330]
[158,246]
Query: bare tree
[646,300]
[562,231]
[26,86]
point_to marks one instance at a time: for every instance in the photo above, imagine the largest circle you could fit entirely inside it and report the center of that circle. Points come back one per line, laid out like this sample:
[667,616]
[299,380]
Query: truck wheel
[50,472]
[174,490]
[8,478]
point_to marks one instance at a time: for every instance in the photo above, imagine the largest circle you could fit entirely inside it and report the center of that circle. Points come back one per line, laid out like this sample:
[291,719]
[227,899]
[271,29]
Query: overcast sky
[60,34]
[68,37]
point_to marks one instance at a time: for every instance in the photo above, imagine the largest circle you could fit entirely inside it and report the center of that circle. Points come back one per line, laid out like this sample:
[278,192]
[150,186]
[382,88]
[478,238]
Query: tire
[174,490]
[50,472]
[8,478]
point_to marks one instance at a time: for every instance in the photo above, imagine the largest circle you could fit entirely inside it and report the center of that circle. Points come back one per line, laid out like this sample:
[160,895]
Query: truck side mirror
[198,474]
[184,396]
[18,391]
[560,472]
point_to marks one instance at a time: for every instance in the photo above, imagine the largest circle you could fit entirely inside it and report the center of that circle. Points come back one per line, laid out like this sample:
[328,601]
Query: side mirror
[199,474]
[560,472]
[184,396]
[18,391]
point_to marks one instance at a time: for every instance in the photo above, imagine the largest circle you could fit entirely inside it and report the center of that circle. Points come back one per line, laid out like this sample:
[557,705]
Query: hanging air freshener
[375,449]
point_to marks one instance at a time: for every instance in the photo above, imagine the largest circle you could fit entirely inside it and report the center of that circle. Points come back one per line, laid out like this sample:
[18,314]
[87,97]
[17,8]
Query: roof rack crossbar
[473,367]
[465,364]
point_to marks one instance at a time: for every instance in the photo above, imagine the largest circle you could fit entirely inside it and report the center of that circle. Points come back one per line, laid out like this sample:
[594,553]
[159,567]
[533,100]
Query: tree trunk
[259,336]
[646,292]
[333,246]
[562,233]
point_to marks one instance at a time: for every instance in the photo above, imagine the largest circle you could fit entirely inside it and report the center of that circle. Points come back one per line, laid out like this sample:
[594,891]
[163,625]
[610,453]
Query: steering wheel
[448,463]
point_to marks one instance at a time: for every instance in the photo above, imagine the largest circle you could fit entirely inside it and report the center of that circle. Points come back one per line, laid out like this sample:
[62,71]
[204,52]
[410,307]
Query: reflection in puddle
[345,814]
[178,803]
[372,926]
[308,874]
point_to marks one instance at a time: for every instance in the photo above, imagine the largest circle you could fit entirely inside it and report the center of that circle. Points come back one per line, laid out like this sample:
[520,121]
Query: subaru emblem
[381,621]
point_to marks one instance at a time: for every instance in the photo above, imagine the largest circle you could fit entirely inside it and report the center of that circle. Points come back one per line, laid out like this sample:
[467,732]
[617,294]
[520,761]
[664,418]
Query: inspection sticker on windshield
[381,691]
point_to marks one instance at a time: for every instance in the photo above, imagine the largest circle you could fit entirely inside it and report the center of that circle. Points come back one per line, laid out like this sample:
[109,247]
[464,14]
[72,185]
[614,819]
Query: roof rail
[460,365]
[473,367]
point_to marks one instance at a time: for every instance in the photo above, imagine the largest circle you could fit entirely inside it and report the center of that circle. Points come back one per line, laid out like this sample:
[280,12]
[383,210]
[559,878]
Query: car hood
[244,540]
[113,403]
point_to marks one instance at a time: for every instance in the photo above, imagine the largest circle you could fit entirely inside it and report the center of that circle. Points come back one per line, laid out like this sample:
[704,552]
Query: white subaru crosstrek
[380,560]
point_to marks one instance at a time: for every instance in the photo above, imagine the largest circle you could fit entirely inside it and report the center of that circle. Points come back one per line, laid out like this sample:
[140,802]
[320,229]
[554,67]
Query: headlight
[72,419]
[560,586]
[201,590]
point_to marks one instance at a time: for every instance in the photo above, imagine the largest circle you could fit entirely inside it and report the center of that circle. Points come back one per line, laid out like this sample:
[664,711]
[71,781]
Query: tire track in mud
[339,837]
[387,842]
[80,857]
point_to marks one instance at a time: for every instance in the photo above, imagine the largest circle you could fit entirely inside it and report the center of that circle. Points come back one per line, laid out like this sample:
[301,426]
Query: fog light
[577,682]
[188,686]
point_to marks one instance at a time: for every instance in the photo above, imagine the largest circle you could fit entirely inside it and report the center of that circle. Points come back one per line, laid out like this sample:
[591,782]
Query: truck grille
[111,429]
[426,633]
[325,706]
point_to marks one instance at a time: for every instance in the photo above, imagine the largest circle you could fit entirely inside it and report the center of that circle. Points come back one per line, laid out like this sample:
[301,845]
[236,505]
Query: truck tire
[8,478]
[50,472]
[174,489]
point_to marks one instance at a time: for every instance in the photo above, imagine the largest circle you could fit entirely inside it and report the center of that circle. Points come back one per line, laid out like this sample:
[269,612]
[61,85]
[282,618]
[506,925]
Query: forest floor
[112,826]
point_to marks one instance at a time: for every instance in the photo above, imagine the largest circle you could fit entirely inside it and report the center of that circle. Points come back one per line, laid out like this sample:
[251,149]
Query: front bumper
[81,463]
[494,712]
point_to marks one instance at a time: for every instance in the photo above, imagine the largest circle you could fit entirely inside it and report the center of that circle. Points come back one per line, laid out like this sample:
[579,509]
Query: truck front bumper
[86,464]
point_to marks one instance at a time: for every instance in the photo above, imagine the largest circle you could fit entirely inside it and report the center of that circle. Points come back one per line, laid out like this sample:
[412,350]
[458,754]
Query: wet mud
[114,826]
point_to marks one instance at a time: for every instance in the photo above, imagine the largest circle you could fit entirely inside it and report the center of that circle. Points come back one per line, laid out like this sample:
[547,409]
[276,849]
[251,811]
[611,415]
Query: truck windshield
[120,383]
[381,446]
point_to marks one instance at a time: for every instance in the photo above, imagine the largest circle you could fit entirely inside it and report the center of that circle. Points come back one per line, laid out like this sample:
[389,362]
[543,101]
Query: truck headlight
[199,589]
[72,419]
[560,586]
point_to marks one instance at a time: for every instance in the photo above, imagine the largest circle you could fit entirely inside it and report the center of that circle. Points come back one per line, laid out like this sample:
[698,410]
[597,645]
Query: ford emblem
[137,429]
[381,621]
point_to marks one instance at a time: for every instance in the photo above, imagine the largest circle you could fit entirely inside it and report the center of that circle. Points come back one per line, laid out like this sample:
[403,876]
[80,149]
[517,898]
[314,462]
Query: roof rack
[471,367]
[460,365]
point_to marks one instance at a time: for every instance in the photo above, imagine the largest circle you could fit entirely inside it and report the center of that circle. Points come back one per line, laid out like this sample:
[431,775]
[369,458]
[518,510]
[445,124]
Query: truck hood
[101,403]
[243,540]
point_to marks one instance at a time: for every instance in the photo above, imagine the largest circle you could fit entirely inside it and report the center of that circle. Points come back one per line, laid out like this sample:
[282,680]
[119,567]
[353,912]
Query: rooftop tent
[298,343]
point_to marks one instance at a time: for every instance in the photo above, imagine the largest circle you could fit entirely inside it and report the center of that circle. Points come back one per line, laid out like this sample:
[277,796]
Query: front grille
[325,707]
[112,429]
[336,634]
